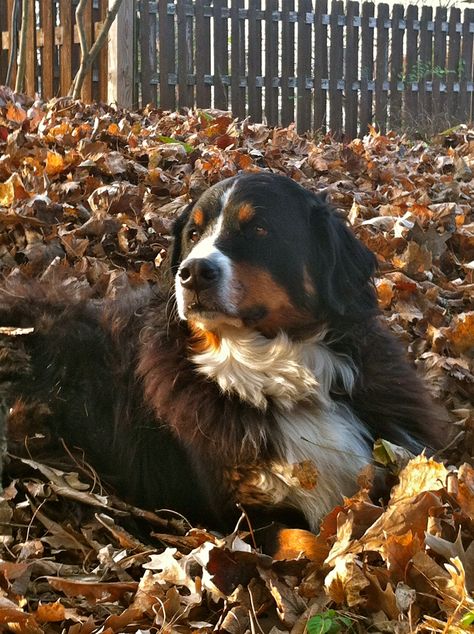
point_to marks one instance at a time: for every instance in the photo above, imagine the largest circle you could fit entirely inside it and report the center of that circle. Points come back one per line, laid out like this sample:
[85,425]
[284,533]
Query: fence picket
[3,33]
[336,52]
[367,67]
[271,62]
[102,88]
[237,56]
[203,53]
[30,76]
[320,65]
[453,67]
[439,61]
[287,63]
[396,65]
[65,49]
[221,54]
[47,49]
[351,69]
[303,109]
[254,77]
[185,54]
[381,66]
[167,57]
[425,62]
[147,53]
[410,78]
[465,98]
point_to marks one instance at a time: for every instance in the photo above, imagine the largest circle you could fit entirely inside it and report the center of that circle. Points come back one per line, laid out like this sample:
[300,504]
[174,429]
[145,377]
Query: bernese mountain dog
[259,376]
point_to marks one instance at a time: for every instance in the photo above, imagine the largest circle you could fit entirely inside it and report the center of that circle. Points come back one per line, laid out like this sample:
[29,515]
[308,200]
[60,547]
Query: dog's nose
[199,273]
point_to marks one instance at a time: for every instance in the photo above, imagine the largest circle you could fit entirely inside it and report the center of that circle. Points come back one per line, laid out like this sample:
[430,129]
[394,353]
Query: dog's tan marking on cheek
[203,340]
[260,289]
[246,212]
[198,217]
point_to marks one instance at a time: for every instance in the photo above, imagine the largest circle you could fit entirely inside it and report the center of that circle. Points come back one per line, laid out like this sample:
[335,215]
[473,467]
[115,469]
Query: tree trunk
[88,56]
[25,19]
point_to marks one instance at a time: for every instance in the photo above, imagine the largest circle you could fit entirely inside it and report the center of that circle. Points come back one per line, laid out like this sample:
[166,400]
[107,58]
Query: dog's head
[258,250]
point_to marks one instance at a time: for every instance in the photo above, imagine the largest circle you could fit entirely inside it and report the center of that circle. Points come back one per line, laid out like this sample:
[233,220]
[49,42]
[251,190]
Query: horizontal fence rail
[330,66]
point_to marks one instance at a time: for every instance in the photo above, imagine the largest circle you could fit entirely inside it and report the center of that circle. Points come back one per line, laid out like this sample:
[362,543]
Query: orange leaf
[50,612]
[7,194]
[15,113]
[54,164]
[384,292]
[460,333]
[113,129]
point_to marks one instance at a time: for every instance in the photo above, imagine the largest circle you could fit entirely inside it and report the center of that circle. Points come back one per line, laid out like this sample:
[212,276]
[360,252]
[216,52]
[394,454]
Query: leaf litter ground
[87,197]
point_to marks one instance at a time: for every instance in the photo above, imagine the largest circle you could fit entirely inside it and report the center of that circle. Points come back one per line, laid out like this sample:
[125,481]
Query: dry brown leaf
[385,292]
[15,113]
[415,259]
[92,591]
[399,551]
[420,474]
[55,163]
[381,598]
[290,606]
[460,333]
[50,613]
[347,581]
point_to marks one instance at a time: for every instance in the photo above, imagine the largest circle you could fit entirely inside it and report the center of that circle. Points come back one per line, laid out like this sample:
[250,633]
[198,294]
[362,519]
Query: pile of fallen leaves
[87,197]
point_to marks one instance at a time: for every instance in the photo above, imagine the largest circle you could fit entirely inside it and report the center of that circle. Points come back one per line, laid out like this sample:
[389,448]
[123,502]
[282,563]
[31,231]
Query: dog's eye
[260,230]
[194,235]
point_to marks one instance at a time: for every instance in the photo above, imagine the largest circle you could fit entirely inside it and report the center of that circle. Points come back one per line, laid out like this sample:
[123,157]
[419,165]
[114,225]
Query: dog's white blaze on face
[206,249]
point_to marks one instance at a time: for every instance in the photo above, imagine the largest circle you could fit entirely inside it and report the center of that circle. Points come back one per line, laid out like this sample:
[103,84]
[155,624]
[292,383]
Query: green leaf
[208,117]
[168,139]
[467,619]
[329,622]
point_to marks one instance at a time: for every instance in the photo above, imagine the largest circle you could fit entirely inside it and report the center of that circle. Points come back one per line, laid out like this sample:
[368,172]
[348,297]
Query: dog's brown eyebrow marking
[246,212]
[198,216]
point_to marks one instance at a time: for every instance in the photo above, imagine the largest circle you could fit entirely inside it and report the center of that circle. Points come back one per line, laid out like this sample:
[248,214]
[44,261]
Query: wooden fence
[53,52]
[337,66]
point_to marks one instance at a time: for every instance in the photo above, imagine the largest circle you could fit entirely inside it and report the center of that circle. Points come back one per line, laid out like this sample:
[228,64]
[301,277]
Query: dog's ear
[343,266]
[177,233]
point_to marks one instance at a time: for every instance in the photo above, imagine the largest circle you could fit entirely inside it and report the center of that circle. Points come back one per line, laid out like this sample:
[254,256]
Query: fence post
[121,58]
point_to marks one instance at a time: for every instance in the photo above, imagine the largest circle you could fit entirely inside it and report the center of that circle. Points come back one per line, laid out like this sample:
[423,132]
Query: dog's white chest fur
[322,445]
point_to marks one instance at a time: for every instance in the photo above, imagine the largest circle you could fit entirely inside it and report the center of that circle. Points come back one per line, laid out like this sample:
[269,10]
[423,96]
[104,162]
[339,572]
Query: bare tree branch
[88,56]
[80,10]
[25,20]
